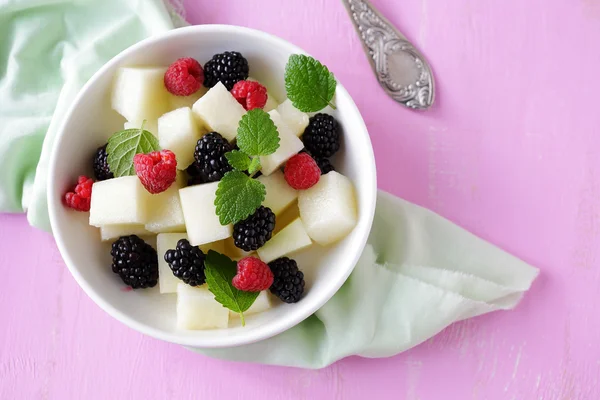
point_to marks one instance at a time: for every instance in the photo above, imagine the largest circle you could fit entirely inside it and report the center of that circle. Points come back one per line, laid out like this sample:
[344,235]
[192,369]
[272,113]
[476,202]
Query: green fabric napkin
[418,273]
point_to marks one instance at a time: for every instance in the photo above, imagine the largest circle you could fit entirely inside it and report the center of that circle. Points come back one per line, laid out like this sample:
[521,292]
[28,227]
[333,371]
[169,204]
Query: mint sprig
[257,134]
[124,145]
[309,84]
[237,197]
[238,160]
[220,270]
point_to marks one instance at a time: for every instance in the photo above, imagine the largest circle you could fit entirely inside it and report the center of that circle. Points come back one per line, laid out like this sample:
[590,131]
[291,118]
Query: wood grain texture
[510,151]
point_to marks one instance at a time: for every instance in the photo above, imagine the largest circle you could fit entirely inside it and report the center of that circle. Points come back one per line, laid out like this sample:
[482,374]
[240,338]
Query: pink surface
[510,151]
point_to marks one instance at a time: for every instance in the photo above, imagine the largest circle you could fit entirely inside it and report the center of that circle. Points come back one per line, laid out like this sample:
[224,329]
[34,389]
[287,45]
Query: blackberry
[322,136]
[211,163]
[187,263]
[229,67]
[288,284]
[101,168]
[323,163]
[253,232]
[135,261]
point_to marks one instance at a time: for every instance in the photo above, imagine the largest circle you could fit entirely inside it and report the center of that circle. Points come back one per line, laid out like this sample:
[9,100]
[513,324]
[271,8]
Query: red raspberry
[302,171]
[253,275]
[156,170]
[184,77]
[81,196]
[250,94]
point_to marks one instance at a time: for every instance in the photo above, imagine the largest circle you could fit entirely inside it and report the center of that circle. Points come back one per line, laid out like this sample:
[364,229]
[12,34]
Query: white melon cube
[165,213]
[179,132]
[262,303]
[289,145]
[294,118]
[109,232]
[167,282]
[328,209]
[119,201]
[199,211]
[176,102]
[150,126]
[139,93]
[219,111]
[288,216]
[234,252]
[291,238]
[197,309]
[218,246]
[271,100]
[279,194]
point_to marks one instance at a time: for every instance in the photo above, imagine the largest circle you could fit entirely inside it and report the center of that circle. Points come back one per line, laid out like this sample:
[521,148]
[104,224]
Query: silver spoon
[400,68]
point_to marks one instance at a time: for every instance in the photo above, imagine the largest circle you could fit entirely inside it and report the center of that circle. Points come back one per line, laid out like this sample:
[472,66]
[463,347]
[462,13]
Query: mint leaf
[124,145]
[309,84]
[237,197]
[257,134]
[254,165]
[219,271]
[238,160]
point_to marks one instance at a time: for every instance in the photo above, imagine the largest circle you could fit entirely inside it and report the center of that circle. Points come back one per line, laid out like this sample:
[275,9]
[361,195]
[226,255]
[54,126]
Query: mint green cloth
[418,273]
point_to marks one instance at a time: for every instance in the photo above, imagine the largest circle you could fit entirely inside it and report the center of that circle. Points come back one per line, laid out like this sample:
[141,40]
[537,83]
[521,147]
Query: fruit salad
[231,183]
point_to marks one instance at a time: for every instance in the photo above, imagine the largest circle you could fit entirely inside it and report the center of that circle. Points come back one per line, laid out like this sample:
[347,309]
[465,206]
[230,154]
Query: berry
[288,284]
[323,163]
[301,171]
[250,94]
[184,77]
[187,263]
[322,136]
[101,167]
[135,261]
[253,275]
[156,170]
[211,163]
[229,68]
[81,196]
[253,232]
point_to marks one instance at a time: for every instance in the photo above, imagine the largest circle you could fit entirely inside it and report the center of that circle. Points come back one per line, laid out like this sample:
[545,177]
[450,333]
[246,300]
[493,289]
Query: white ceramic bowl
[91,121]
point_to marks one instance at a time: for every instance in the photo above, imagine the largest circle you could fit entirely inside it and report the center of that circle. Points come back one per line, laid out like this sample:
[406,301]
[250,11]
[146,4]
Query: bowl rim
[218,341]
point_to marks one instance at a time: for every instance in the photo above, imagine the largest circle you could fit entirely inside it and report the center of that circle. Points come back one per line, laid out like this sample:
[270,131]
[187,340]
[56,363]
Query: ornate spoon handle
[400,68]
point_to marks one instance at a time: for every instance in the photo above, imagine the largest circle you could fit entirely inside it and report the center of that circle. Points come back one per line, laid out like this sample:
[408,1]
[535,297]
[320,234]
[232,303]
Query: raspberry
[81,196]
[250,94]
[156,170]
[302,171]
[184,77]
[253,275]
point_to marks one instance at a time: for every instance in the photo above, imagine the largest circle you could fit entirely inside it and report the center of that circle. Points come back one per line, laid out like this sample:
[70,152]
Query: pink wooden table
[511,152]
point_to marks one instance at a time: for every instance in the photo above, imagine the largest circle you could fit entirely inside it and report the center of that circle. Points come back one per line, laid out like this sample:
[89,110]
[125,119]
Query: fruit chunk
[179,132]
[176,102]
[296,119]
[234,252]
[119,201]
[166,214]
[289,145]
[286,217]
[219,111]
[262,303]
[291,238]
[166,280]
[139,93]
[109,232]
[328,209]
[198,309]
[218,246]
[201,220]
[150,125]
[279,194]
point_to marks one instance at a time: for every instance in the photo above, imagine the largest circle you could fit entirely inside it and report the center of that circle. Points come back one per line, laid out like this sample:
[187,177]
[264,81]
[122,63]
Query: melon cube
[289,145]
[279,194]
[218,246]
[150,126]
[167,282]
[219,111]
[139,93]
[234,252]
[291,238]
[165,213]
[119,201]
[179,132]
[288,216]
[109,232]
[294,118]
[262,303]
[199,212]
[197,309]
[176,102]
[328,209]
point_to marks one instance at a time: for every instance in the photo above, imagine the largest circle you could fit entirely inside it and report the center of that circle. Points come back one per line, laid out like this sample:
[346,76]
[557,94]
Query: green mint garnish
[238,160]
[124,145]
[254,166]
[237,197]
[219,271]
[309,84]
[257,134]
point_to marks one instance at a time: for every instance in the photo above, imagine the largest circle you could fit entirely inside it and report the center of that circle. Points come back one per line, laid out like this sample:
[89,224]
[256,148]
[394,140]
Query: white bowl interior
[91,121]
